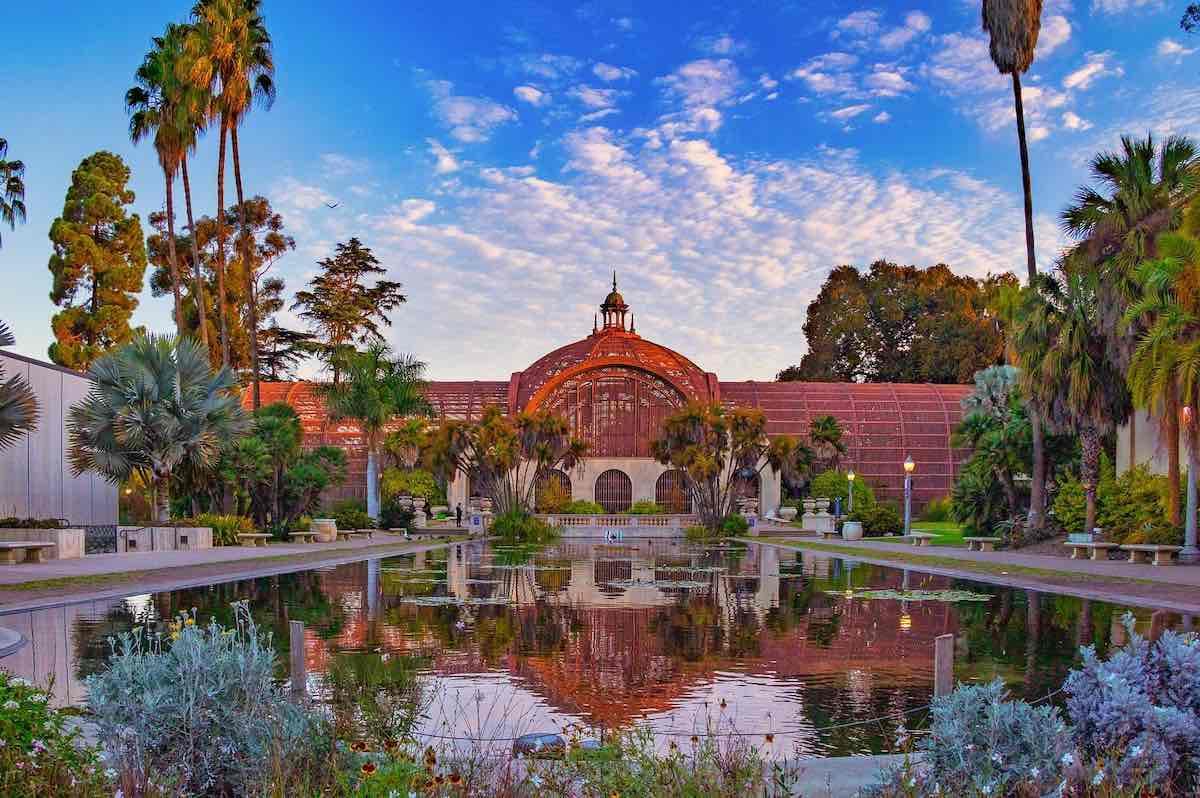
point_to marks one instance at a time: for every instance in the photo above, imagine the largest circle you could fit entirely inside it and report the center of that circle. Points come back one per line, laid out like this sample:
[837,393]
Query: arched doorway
[553,492]
[670,492]
[614,491]
[745,489]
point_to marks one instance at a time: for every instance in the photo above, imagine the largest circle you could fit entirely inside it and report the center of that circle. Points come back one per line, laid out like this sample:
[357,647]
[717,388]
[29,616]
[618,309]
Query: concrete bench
[919,538]
[1163,555]
[830,534]
[303,537]
[1094,551]
[252,539]
[31,548]
[981,544]
[357,533]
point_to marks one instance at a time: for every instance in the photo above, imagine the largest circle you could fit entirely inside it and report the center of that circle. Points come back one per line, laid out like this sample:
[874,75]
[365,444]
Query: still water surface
[663,633]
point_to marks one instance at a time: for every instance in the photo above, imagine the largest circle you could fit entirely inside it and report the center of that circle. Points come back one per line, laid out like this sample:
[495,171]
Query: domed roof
[614,299]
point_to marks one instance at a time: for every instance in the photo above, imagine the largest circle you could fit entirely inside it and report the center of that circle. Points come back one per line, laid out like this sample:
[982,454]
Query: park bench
[369,533]
[252,539]
[32,550]
[303,537]
[981,544]
[1140,553]
[919,538]
[829,534]
[1094,551]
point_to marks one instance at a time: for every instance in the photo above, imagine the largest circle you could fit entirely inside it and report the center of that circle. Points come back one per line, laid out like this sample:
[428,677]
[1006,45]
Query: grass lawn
[949,533]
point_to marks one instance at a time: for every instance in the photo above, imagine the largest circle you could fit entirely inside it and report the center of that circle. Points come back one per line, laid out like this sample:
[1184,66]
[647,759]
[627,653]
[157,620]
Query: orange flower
[359,746]
[430,756]
[368,768]
[455,779]
[438,780]
[770,737]
[390,745]
[695,739]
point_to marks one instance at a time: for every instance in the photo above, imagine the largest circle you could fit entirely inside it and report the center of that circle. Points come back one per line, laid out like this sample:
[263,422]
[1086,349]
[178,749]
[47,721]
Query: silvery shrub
[1139,710]
[197,709]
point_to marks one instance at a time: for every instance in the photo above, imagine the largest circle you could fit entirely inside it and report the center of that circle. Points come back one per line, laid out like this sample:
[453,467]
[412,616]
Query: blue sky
[503,159]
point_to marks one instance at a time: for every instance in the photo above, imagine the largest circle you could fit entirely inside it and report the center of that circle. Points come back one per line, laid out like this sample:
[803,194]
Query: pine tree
[98,264]
[341,309]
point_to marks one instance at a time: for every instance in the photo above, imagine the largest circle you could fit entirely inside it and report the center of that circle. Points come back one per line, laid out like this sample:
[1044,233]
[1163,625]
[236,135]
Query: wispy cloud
[469,119]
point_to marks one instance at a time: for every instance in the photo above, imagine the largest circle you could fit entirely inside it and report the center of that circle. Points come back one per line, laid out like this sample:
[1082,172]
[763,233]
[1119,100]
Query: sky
[503,159]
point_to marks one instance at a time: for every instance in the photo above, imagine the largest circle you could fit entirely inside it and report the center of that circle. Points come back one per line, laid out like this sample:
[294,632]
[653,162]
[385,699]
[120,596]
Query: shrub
[937,510]
[394,516]
[977,500]
[834,485]
[582,507]
[351,514]
[697,534]
[1143,705]
[38,755]
[225,528]
[881,519]
[519,527]
[644,507]
[411,482]
[200,706]
[12,522]
[1070,505]
[734,525]
[1134,502]
[552,496]
[979,743]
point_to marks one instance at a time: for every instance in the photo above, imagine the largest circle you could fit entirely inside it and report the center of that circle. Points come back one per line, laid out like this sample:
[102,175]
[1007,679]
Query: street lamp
[909,467]
[850,478]
[1190,552]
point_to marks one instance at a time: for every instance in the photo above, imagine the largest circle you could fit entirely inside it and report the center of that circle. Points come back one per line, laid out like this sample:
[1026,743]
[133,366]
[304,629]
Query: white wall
[1148,444]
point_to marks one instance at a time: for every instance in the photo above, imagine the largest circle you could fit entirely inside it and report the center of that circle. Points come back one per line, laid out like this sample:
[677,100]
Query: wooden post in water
[296,649]
[943,665]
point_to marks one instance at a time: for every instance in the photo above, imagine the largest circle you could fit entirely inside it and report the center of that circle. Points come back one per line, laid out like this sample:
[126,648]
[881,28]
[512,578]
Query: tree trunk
[1037,487]
[1010,492]
[220,217]
[171,256]
[372,483]
[1171,422]
[1025,181]
[1190,553]
[197,268]
[248,268]
[162,499]
[1089,443]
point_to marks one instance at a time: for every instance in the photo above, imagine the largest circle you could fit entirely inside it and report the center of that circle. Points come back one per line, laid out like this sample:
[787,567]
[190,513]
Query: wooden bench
[1163,555]
[303,537]
[1094,551]
[981,544]
[252,539]
[31,548]
[919,538]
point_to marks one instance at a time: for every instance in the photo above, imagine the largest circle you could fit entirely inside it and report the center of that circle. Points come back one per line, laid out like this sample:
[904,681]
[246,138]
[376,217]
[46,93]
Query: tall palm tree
[18,403]
[231,50]
[825,434]
[1140,192]
[375,389]
[155,406]
[12,189]
[1065,363]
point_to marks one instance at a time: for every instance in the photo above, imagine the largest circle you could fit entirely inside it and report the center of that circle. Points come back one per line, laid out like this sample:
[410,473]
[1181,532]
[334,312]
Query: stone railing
[631,525]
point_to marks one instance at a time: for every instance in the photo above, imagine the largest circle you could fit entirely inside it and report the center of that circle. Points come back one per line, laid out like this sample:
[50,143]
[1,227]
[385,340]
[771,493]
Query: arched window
[670,492]
[553,491]
[614,491]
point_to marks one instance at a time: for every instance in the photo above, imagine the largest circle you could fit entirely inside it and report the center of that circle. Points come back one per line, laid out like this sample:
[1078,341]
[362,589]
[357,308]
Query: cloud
[1120,6]
[887,82]
[704,82]
[299,196]
[1073,121]
[1095,67]
[592,97]
[915,24]
[881,118]
[1169,48]
[828,73]
[1056,31]
[444,160]
[961,64]
[723,44]
[550,65]
[849,112]
[338,165]
[859,23]
[532,95]
[610,73]
[469,119]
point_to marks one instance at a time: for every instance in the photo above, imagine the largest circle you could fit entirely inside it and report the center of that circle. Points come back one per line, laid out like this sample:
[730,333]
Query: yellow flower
[190,622]
[368,768]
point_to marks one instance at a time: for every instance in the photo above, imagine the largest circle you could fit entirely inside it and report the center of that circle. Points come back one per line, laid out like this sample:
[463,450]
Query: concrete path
[833,777]
[1162,587]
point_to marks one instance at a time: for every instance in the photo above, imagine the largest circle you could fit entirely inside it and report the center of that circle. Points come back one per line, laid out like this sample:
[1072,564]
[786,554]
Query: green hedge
[882,519]
[834,485]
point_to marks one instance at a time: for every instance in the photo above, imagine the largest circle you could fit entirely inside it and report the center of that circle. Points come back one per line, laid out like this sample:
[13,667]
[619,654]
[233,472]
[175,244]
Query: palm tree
[155,405]
[825,433]
[231,49]
[376,388]
[1141,191]
[1065,364]
[18,403]
[12,189]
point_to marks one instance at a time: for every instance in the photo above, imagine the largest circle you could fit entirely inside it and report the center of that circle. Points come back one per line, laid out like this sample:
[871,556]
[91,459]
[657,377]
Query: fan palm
[18,403]
[155,405]
[825,433]
[376,388]
[1066,366]
[231,49]
[1140,192]
[12,189]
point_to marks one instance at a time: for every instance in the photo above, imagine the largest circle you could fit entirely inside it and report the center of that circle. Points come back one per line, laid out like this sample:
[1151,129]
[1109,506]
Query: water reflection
[652,631]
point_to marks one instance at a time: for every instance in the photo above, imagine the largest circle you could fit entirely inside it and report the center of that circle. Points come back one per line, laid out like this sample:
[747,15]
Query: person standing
[458,515]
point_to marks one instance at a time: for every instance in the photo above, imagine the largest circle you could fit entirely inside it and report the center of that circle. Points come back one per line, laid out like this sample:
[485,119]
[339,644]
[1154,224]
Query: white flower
[1098,779]
[535,780]
[110,774]
[1135,751]
[11,705]
[1068,760]
[19,682]
[1035,772]
[41,698]
[997,758]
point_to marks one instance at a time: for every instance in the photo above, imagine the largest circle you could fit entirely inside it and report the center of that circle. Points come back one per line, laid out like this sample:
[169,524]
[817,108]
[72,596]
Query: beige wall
[1141,441]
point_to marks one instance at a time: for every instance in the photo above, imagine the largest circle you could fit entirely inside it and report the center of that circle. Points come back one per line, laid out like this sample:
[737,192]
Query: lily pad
[681,584]
[446,601]
[912,595]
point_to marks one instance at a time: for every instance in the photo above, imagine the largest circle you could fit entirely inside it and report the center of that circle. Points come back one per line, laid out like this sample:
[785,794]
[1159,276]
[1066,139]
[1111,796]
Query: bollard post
[296,649]
[943,665]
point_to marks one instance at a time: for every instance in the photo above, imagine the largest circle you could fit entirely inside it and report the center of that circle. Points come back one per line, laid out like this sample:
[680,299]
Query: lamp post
[850,503]
[1190,552]
[909,467]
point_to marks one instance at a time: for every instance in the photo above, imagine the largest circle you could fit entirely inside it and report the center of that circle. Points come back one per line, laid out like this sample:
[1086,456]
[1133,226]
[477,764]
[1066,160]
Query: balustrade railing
[615,521]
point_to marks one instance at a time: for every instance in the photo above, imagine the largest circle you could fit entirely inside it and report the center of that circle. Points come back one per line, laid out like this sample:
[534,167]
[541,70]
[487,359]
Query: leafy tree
[155,405]
[18,403]
[376,390]
[98,263]
[995,427]
[1066,365]
[12,189]
[282,350]
[341,308]
[825,435]
[1191,18]
[901,324]
[715,446]
[506,458]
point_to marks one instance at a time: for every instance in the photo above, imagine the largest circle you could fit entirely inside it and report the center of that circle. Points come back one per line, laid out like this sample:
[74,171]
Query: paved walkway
[1166,587]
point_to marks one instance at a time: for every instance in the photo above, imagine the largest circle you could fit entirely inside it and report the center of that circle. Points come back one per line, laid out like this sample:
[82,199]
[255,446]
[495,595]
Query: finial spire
[632,326]
[614,279]
[595,323]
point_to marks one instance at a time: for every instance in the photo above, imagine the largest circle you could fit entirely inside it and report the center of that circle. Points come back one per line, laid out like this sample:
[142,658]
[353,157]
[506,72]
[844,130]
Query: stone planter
[325,529]
[822,506]
[810,505]
[439,509]
[787,513]
[852,530]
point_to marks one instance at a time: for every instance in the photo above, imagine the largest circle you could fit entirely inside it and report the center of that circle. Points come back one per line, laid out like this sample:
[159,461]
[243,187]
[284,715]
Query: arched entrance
[745,489]
[670,492]
[553,492]
[614,491]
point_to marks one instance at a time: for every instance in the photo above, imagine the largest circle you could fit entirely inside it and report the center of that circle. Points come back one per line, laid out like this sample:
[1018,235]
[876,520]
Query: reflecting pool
[807,648]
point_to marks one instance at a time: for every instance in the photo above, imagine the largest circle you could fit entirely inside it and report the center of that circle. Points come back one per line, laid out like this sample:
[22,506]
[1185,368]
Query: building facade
[615,387]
